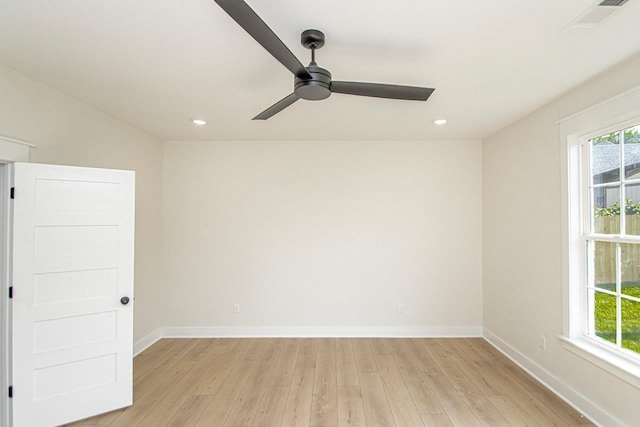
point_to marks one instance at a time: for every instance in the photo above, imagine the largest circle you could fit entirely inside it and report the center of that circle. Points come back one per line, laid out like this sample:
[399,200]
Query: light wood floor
[334,382]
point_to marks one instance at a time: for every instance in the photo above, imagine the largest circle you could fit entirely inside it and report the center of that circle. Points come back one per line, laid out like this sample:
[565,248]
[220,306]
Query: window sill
[625,367]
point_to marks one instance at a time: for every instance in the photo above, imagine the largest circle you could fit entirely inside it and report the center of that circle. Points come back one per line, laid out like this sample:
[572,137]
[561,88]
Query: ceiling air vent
[596,14]
[613,2]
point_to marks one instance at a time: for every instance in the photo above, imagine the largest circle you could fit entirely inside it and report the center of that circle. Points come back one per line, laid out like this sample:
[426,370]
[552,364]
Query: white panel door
[72,263]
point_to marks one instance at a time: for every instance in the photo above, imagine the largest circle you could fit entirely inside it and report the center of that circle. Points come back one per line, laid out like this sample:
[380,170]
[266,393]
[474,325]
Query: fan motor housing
[315,89]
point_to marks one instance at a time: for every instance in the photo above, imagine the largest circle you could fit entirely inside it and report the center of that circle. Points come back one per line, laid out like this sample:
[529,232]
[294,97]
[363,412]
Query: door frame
[11,150]
[5,306]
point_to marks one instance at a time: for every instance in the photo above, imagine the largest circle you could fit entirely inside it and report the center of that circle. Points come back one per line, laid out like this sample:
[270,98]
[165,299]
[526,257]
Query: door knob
[124,300]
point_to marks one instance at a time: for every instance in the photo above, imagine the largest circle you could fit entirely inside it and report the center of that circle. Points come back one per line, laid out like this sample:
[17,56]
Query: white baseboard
[305,331]
[595,413]
[323,331]
[146,342]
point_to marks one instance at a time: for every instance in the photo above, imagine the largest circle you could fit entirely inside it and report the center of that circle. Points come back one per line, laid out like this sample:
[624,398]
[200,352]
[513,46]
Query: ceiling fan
[312,82]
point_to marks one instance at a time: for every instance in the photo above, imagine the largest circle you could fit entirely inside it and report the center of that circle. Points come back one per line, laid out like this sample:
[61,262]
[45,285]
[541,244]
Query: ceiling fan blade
[277,107]
[377,90]
[255,26]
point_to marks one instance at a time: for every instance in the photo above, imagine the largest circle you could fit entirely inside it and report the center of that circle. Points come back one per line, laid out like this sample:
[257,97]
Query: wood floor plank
[147,381]
[481,406]
[142,406]
[205,356]
[254,349]
[427,404]
[410,366]
[324,405]
[283,372]
[271,409]
[159,346]
[521,396]
[191,409]
[297,411]
[309,345]
[405,361]
[402,405]
[487,385]
[108,418]
[455,407]
[374,400]
[469,349]
[350,407]
[152,356]
[246,406]
[472,370]
[307,353]
[364,356]
[415,350]
[145,362]
[202,347]
[490,353]
[381,345]
[221,403]
[546,396]
[211,379]
[99,420]
[347,371]
[509,409]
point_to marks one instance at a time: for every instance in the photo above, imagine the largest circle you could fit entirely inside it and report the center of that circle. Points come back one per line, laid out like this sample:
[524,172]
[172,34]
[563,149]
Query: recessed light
[199,122]
[440,121]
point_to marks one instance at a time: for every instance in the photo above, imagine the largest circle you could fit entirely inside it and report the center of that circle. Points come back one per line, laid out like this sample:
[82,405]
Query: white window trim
[616,113]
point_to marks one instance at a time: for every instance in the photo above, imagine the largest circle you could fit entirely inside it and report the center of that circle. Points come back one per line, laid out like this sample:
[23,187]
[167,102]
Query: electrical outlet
[400,308]
[542,342]
[236,308]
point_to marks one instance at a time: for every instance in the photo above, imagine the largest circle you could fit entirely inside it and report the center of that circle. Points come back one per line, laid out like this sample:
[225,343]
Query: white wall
[522,245]
[323,234]
[69,132]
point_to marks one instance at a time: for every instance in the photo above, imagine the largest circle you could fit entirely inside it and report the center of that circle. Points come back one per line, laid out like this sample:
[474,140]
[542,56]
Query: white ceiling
[158,64]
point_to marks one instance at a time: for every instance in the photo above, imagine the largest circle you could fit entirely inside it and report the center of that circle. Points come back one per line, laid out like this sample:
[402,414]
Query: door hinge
[10,391]
[10,291]
[13,192]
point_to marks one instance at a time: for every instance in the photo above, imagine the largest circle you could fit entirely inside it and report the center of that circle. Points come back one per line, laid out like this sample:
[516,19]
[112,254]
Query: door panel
[72,261]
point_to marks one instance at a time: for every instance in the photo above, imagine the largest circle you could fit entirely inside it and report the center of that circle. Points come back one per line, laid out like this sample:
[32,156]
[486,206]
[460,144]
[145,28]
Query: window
[601,229]
[611,235]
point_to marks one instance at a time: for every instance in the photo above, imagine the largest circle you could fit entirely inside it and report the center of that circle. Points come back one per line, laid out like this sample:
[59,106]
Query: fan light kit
[198,122]
[312,83]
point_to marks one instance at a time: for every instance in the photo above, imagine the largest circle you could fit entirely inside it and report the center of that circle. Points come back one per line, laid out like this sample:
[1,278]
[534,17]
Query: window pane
[630,269]
[632,208]
[606,210]
[631,289]
[605,316]
[632,153]
[604,265]
[605,158]
[631,325]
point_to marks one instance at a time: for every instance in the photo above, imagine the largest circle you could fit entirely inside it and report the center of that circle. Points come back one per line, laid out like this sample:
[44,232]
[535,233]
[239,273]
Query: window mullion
[588,217]
[623,196]
[623,232]
[587,300]
[618,292]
